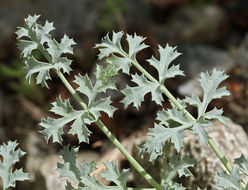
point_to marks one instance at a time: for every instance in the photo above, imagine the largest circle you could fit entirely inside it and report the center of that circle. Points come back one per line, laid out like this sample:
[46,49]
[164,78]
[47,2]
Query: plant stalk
[103,128]
[211,142]
[165,157]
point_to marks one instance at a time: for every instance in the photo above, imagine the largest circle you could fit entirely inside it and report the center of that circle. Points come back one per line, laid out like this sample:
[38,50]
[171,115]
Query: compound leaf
[10,157]
[102,105]
[232,180]
[38,37]
[54,127]
[209,84]
[216,114]
[112,174]
[69,167]
[156,138]
[42,68]
[136,94]
[110,46]
[135,44]
[181,166]
[167,55]
[90,182]
[199,129]
[242,162]
[94,106]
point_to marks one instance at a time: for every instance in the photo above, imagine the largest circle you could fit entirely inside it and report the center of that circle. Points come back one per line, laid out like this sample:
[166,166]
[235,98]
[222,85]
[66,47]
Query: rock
[200,58]
[191,24]
[232,141]
[41,164]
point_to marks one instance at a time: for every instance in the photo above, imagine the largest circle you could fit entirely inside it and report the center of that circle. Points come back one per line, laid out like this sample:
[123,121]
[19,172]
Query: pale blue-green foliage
[181,166]
[172,122]
[122,60]
[81,175]
[10,157]
[136,94]
[232,180]
[167,55]
[54,127]
[242,163]
[91,91]
[35,36]
[173,186]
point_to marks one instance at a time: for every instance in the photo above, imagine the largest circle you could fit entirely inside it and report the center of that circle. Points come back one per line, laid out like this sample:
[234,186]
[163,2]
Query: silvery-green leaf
[209,84]
[85,87]
[110,46]
[178,116]
[102,105]
[167,55]
[69,167]
[173,186]
[181,166]
[42,32]
[136,94]
[54,127]
[156,138]
[105,77]
[31,20]
[135,44]
[199,129]
[26,47]
[10,156]
[42,68]
[242,162]
[112,174]
[216,114]
[120,63]
[232,180]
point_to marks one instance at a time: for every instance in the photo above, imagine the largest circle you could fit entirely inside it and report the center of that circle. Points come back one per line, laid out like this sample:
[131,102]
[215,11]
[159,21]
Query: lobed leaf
[69,167]
[91,183]
[135,95]
[156,138]
[35,36]
[209,84]
[54,127]
[110,46]
[10,156]
[242,162]
[199,129]
[135,44]
[173,186]
[91,91]
[181,166]
[167,55]
[112,174]
[232,180]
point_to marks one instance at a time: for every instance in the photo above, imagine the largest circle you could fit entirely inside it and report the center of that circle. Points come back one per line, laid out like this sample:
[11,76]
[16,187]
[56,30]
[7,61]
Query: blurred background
[209,33]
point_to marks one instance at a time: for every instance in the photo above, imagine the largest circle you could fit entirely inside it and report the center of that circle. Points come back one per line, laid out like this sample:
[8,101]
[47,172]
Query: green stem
[165,157]
[104,129]
[211,142]
[134,163]
[71,90]
[220,155]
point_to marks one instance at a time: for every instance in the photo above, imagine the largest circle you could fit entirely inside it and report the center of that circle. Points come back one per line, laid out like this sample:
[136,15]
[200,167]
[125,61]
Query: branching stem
[103,128]
[211,142]
[165,157]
